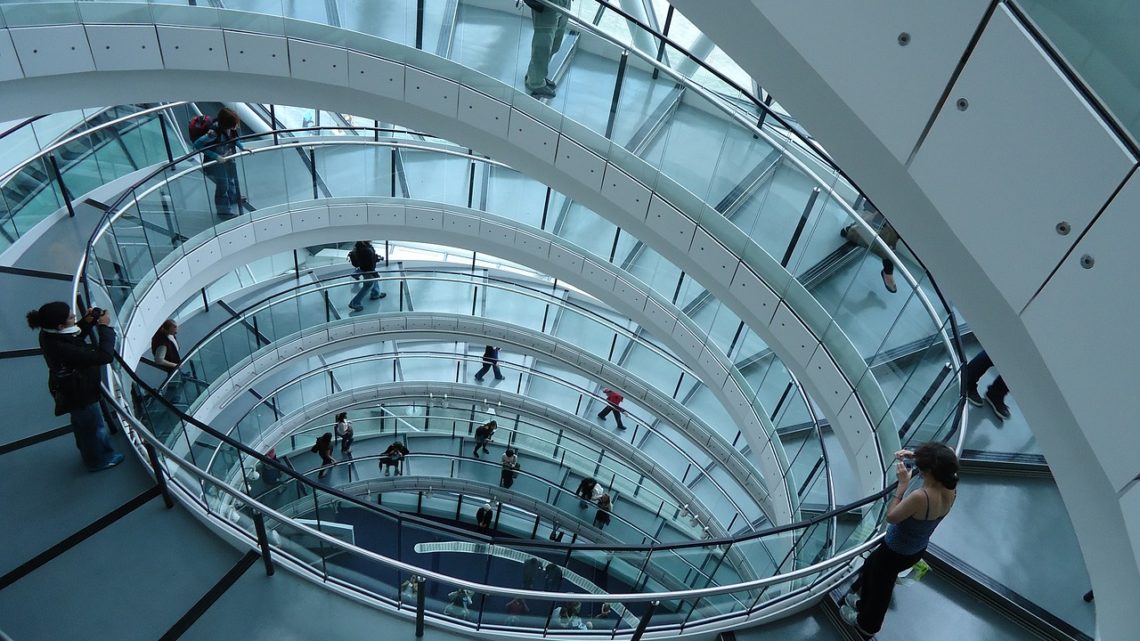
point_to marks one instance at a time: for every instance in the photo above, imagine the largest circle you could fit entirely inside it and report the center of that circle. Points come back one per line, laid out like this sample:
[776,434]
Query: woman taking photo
[912,518]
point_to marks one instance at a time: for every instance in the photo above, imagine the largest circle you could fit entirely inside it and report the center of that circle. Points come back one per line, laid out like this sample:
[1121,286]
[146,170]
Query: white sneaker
[850,615]
[851,599]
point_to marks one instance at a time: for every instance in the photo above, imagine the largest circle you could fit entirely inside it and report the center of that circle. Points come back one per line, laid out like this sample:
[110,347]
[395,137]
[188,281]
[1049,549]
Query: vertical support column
[800,228]
[644,622]
[263,541]
[421,596]
[62,187]
[159,479]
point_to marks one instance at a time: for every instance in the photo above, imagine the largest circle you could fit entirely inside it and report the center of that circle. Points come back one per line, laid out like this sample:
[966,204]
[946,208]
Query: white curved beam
[978,189]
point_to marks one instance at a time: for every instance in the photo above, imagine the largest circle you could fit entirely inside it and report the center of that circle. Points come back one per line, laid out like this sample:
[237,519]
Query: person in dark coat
[585,491]
[323,448]
[483,435]
[75,369]
[490,360]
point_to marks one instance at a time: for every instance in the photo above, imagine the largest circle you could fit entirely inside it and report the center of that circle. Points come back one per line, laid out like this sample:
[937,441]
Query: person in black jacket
[75,373]
[490,360]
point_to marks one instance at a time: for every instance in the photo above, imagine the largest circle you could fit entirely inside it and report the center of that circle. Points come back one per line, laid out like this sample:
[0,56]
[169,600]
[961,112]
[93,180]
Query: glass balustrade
[363,372]
[174,206]
[702,140]
[74,152]
[321,530]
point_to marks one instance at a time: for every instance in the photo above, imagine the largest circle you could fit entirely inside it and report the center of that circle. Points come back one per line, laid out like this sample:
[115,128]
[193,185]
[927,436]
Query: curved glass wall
[907,353]
[298,309]
[63,156]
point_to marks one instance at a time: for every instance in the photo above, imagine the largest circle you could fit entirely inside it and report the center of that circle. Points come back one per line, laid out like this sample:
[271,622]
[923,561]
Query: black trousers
[610,407]
[876,583]
[978,366]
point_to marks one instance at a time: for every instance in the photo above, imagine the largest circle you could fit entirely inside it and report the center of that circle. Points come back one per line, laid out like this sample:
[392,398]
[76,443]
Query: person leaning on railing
[913,518]
[75,374]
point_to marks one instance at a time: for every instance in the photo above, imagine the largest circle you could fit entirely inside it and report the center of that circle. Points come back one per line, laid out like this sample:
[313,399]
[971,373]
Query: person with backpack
[613,400]
[549,29]
[75,373]
[323,447]
[483,435]
[364,258]
[217,139]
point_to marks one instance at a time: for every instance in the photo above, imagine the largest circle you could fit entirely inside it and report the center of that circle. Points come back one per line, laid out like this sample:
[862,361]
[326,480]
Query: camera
[97,313]
[908,461]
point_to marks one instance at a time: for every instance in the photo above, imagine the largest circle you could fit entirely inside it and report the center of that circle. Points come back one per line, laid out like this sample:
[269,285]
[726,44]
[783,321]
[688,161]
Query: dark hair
[510,451]
[228,119]
[167,324]
[492,424]
[325,438]
[49,315]
[342,416]
[939,461]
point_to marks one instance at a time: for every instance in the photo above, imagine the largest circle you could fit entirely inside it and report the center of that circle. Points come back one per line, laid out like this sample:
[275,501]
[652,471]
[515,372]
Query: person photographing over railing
[75,372]
[912,519]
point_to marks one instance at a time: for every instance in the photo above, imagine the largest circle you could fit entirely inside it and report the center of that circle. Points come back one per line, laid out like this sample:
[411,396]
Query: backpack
[535,5]
[199,126]
[367,261]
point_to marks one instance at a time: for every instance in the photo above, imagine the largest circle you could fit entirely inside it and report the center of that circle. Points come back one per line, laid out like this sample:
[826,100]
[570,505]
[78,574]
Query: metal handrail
[142,432]
[730,109]
[261,458]
[4,177]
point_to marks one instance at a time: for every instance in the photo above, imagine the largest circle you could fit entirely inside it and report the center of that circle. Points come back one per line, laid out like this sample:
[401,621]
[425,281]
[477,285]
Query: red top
[613,397]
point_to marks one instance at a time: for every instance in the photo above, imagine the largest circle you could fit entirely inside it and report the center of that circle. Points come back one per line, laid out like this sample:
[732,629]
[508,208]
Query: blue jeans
[371,287]
[225,181]
[91,436]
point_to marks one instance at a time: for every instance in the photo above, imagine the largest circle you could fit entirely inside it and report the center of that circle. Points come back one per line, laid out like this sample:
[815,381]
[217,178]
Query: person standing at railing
[323,447]
[585,491]
[549,29]
[490,360]
[613,402]
[912,518]
[392,457]
[483,435]
[530,569]
[484,516]
[75,372]
[164,348]
[344,432]
[218,142]
[602,516]
[510,468]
